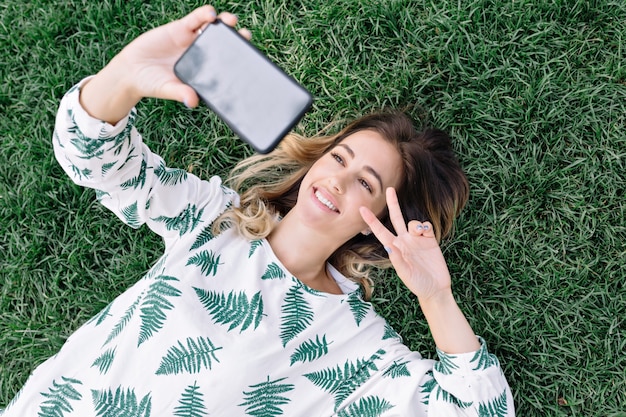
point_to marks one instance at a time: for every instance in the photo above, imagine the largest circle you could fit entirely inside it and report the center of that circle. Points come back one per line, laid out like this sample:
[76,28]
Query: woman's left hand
[413,251]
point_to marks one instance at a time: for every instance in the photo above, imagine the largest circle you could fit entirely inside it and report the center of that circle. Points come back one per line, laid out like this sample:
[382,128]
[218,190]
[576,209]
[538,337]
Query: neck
[290,240]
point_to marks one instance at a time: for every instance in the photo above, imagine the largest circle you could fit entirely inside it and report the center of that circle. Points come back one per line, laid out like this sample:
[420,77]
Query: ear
[366,232]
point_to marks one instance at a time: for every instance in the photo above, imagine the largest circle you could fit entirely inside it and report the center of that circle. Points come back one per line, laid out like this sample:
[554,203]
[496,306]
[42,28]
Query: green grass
[533,91]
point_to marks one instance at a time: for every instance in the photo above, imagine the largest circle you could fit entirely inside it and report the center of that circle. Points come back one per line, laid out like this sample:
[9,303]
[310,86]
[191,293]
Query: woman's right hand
[145,68]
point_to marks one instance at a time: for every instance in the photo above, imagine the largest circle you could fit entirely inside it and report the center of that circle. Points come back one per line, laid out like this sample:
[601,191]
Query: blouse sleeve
[128,178]
[468,384]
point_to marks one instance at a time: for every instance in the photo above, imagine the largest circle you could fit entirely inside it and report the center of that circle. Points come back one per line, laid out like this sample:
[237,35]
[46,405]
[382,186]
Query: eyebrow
[367,167]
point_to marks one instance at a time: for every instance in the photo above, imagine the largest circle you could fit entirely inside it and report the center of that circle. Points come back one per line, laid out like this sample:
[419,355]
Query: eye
[337,157]
[365,185]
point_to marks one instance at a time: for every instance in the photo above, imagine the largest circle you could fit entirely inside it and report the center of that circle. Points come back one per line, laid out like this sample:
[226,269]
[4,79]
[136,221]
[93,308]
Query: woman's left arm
[466,380]
[419,262]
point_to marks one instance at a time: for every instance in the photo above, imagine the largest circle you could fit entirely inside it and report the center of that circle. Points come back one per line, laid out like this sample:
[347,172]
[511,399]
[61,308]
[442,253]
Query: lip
[328,197]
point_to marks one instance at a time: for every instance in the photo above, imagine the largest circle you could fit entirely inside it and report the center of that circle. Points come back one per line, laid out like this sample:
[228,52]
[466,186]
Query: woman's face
[355,173]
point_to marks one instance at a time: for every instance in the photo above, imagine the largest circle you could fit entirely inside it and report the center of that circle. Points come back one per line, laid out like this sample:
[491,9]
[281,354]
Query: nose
[337,184]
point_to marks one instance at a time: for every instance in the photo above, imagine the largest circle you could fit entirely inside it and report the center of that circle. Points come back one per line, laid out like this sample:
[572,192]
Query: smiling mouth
[325,202]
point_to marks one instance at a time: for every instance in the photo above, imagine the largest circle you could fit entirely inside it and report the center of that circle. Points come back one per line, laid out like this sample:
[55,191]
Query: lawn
[532,91]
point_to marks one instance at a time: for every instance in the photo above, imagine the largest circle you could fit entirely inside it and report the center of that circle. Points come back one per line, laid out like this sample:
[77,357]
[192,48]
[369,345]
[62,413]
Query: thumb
[180,92]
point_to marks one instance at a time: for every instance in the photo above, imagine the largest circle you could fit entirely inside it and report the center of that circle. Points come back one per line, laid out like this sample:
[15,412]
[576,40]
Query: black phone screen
[256,99]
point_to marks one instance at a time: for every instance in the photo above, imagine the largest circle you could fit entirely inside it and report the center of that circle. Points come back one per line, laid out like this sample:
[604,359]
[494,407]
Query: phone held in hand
[251,94]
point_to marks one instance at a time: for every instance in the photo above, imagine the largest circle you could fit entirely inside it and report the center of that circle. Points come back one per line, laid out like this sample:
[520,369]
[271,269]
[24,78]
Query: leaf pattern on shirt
[186,221]
[390,333]
[191,403]
[102,315]
[104,361]
[197,355]
[207,261]
[124,320]
[297,314]
[154,306]
[358,307]
[59,397]
[265,398]
[169,176]
[341,381]
[483,359]
[445,365]
[495,408]
[140,180]
[234,309]
[273,271]
[121,403]
[432,390]
[131,216]
[370,406]
[310,350]
[254,245]
[203,237]
[397,370]
[81,174]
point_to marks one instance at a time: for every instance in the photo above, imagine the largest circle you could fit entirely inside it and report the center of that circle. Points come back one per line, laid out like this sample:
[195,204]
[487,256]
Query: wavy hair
[433,187]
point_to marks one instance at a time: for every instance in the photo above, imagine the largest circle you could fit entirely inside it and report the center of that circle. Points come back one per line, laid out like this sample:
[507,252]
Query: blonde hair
[434,188]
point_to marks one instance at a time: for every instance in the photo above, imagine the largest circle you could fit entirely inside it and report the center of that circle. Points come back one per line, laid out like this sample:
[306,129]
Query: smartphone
[250,93]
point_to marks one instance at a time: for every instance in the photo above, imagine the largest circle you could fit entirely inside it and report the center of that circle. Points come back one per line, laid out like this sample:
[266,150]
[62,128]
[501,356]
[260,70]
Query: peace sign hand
[413,251]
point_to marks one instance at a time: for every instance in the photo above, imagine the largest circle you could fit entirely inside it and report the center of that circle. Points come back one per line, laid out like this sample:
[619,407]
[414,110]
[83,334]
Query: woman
[250,311]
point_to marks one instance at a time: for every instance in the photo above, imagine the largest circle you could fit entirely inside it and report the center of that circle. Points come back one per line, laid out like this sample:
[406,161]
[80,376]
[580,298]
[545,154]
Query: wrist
[109,95]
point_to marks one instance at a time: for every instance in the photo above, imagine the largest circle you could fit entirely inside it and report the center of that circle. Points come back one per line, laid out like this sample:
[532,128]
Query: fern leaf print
[185,222]
[169,176]
[101,316]
[191,403]
[131,216]
[265,399]
[121,324]
[207,261]
[104,361]
[390,333]
[234,309]
[483,359]
[59,397]
[120,403]
[341,381]
[445,365]
[397,370]
[203,238]
[494,408]
[297,314]
[358,307]
[371,406]
[254,245]
[273,271]
[198,354]
[310,350]
[139,181]
[155,305]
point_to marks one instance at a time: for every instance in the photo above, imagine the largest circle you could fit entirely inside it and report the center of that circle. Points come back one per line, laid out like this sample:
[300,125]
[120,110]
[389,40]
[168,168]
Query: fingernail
[388,249]
[426,227]
[186,103]
[213,14]
[419,227]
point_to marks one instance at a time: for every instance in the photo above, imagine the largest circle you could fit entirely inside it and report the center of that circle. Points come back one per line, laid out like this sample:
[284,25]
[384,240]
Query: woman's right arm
[145,68]
[96,143]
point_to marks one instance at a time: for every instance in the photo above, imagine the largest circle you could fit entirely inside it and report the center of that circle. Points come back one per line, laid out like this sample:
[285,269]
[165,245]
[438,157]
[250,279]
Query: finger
[180,92]
[395,214]
[379,230]
[198,18]
[228,18]
[245,33]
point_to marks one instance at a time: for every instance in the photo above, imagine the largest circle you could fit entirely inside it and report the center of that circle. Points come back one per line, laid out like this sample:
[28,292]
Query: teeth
[327,203]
